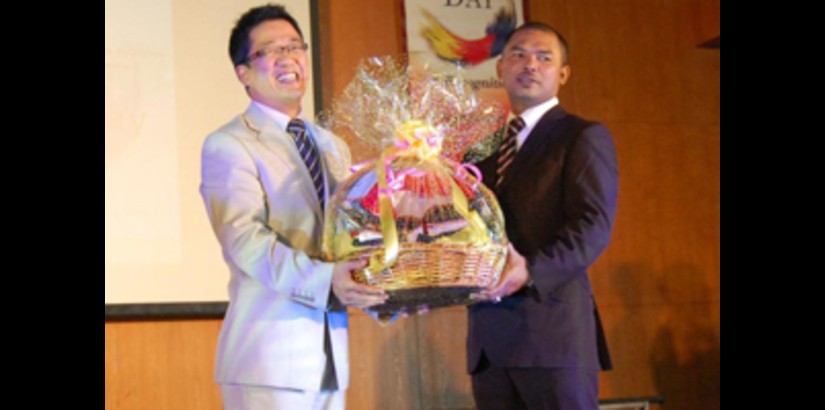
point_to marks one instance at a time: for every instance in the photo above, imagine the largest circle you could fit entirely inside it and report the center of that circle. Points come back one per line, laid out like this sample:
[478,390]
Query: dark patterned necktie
[507,149]
[309,153]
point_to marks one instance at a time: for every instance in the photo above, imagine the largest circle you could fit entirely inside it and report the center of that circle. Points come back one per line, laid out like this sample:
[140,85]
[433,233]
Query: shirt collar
[281,119]
[531,117]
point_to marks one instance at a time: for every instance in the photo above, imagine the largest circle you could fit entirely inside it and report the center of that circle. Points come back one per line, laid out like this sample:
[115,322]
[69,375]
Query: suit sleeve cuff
[316,293]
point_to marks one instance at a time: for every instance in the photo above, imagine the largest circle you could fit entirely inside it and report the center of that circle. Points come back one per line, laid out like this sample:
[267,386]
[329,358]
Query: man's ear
[564,74]
[242,72]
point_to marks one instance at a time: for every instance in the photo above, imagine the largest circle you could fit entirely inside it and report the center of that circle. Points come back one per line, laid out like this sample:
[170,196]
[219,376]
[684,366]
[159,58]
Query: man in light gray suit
[265,178]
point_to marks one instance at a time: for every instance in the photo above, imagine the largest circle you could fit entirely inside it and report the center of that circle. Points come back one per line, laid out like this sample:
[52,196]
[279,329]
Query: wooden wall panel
[354,29]
[658,283]
[384,364]
[636,68]
[161,365]
[442,336]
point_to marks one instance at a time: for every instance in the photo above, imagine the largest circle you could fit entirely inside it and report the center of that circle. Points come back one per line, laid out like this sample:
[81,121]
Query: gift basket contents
[431,231]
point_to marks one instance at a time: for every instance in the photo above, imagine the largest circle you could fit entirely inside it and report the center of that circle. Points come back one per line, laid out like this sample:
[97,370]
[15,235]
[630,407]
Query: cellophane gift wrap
[431,231]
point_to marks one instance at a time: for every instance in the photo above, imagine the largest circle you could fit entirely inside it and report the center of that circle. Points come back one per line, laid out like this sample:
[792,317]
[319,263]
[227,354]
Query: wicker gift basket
[431,231]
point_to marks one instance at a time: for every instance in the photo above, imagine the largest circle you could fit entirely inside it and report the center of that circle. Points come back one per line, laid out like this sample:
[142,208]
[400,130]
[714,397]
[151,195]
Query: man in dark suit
[535,340]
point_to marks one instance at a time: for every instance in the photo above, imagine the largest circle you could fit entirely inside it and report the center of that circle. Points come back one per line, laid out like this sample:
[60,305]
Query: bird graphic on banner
[453,48]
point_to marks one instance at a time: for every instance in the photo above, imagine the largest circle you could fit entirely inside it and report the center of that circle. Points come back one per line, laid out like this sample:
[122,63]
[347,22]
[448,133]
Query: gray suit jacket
[267,218]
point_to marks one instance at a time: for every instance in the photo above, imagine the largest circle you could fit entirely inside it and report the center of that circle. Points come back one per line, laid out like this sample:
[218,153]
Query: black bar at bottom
[165,311]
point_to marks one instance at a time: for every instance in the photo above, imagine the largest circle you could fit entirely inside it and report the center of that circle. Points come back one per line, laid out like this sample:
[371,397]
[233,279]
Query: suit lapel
[535,145]
[281,144]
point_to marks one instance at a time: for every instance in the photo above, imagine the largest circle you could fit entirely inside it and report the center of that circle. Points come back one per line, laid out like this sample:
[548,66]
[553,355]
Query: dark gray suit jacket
[559,201]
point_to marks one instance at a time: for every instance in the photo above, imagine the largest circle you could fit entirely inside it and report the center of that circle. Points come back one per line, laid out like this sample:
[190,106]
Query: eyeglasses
[279,51]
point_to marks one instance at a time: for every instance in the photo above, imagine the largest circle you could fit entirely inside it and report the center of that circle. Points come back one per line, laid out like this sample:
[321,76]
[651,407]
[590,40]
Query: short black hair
[239,39]
[535,25]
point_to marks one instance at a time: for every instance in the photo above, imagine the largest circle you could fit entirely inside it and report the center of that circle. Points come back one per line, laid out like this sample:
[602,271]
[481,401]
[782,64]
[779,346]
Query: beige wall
[169,82]
[636,68]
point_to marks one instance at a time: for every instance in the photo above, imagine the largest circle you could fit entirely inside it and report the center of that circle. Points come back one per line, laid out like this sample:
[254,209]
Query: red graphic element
[448,46]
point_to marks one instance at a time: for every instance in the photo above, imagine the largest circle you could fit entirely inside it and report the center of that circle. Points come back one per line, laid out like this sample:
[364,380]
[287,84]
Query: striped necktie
[309,153]
[507,149]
